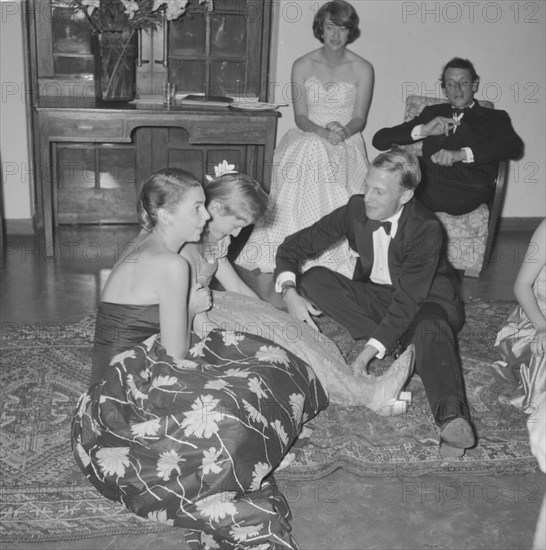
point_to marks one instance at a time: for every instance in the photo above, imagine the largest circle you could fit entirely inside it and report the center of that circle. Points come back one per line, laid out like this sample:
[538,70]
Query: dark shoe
[456,436]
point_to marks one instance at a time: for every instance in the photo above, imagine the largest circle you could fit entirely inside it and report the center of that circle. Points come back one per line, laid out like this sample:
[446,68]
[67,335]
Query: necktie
[376,224]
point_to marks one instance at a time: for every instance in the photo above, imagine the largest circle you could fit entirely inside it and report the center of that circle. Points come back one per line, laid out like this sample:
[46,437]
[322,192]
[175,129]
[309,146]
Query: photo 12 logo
[471,12]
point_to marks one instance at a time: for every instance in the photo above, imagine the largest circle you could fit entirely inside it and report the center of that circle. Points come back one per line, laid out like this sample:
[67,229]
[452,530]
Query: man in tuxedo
[403,290]
[463,143]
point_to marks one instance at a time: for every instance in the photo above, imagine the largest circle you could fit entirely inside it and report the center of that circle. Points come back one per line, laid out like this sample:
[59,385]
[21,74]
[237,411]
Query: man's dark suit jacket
[418,266]
[488,132]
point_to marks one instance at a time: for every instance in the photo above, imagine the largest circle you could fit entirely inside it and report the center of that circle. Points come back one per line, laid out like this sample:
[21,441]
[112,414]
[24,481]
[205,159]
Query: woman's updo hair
[342,14]
[239,195]
[165,188]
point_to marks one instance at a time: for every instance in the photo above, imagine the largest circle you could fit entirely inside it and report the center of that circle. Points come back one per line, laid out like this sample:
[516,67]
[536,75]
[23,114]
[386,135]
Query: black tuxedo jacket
[488,132]
[418,265]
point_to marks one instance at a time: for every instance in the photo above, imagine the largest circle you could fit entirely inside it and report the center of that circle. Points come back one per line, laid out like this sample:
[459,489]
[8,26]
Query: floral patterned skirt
[194,443]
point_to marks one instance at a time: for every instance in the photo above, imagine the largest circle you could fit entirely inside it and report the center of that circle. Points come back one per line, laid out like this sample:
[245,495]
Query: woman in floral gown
[234,201]
[322,162]
[522,340]
[182,430]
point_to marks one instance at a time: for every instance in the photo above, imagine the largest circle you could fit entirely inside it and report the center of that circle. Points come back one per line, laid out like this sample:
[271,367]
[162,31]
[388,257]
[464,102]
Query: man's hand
[443,157]
[438,126]
[360,364]
[300,308]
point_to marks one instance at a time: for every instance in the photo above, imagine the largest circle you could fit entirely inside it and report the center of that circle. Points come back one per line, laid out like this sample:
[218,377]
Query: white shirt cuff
[469,155]
[379,346]
[282,278]
[416,133]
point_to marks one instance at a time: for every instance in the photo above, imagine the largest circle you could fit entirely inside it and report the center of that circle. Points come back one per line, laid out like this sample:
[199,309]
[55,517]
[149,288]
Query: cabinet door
[96,183]
[60,45]
[170,147]
[220,52]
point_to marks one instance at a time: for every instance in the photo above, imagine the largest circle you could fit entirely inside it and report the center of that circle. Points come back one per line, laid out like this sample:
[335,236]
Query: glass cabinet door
[223,51]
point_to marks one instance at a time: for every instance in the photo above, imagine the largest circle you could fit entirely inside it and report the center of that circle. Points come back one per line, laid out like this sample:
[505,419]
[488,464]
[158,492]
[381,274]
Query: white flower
[217,385]
[199,347]
[136,393]
[161,380]
[232,338]
[91,5]
[256,387]
[222,168]
[202,421]
[273,354]
[241,533]
[279,428]
[160,516]
[261,469]
[297,401]
[254,413]
[143,429]
[208,463]
[130,7]
[217,506]
[113,460]
[168,461]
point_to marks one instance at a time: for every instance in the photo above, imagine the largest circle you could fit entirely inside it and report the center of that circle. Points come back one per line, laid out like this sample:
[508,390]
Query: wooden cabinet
[91,157]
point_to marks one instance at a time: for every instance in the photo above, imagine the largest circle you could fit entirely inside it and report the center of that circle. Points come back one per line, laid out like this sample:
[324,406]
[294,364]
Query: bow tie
[376,224]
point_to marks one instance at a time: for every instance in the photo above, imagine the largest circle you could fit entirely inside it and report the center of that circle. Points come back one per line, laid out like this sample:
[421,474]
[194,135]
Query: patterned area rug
[44,369]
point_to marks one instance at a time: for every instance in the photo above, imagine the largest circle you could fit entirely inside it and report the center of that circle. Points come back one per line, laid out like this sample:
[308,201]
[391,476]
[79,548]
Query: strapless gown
[193,443]
[310,179]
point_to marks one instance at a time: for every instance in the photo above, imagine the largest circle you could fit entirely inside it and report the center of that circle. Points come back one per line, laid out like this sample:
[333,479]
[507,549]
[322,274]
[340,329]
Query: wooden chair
[470,237]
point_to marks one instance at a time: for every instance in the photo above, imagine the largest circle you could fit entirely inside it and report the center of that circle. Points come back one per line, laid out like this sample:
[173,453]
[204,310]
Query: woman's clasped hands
[336,133]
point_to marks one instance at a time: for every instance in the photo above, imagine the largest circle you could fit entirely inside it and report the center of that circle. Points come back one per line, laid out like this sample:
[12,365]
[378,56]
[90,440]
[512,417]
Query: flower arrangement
[132,14]
[114,24]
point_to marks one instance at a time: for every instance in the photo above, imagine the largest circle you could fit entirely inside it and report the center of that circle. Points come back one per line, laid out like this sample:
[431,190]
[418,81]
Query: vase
[115,54]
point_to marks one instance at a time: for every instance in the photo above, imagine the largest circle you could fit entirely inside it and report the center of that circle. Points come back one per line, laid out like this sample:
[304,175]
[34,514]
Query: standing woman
[183,431]
[323,161]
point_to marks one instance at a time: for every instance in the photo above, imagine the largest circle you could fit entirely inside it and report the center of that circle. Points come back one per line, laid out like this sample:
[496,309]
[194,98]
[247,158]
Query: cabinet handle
[164,61]
[85,127]
[140,61]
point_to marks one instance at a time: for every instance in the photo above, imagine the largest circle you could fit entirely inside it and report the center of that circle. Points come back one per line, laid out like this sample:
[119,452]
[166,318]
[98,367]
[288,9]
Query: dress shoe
[456,436]
[389,399]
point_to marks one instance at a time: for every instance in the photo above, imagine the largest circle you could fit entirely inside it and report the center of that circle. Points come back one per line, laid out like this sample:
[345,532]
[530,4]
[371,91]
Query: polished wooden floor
[338,512]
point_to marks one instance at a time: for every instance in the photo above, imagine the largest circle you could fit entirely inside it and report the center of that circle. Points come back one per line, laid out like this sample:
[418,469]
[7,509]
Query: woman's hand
[200,299]
[330,136]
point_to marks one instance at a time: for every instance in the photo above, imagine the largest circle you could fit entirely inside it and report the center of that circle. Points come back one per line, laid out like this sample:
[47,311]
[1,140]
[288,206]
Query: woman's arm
[230,280]
[172,288]
[534,260]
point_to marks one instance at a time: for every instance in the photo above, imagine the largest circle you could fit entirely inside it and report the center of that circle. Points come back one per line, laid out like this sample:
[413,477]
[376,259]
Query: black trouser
[360,307]
[447,189]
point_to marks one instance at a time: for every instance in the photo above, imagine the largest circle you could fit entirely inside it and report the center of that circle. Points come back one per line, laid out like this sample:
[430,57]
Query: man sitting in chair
[463,143]
[403,290]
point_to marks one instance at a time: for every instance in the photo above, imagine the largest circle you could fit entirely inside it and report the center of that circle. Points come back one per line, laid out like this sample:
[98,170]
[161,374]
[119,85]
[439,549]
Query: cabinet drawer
[84,128]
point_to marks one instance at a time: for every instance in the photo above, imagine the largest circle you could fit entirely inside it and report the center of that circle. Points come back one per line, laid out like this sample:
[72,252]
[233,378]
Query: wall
[409,42]
[14,147]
